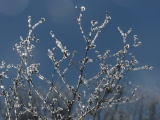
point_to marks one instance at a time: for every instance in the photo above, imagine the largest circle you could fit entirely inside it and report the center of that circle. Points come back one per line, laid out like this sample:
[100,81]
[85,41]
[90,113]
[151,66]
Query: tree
[81,101]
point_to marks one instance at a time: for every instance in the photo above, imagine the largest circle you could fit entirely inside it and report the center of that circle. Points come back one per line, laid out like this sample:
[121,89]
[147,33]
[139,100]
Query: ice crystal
[83,8]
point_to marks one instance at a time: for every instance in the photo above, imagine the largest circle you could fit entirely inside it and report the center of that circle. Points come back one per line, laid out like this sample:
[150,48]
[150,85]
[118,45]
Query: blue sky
[141,15]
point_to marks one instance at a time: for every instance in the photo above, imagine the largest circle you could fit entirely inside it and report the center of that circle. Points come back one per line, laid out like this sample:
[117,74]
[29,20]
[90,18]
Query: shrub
[24,100]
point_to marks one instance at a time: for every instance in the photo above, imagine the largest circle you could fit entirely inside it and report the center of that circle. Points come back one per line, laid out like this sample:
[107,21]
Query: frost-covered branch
[70,102]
